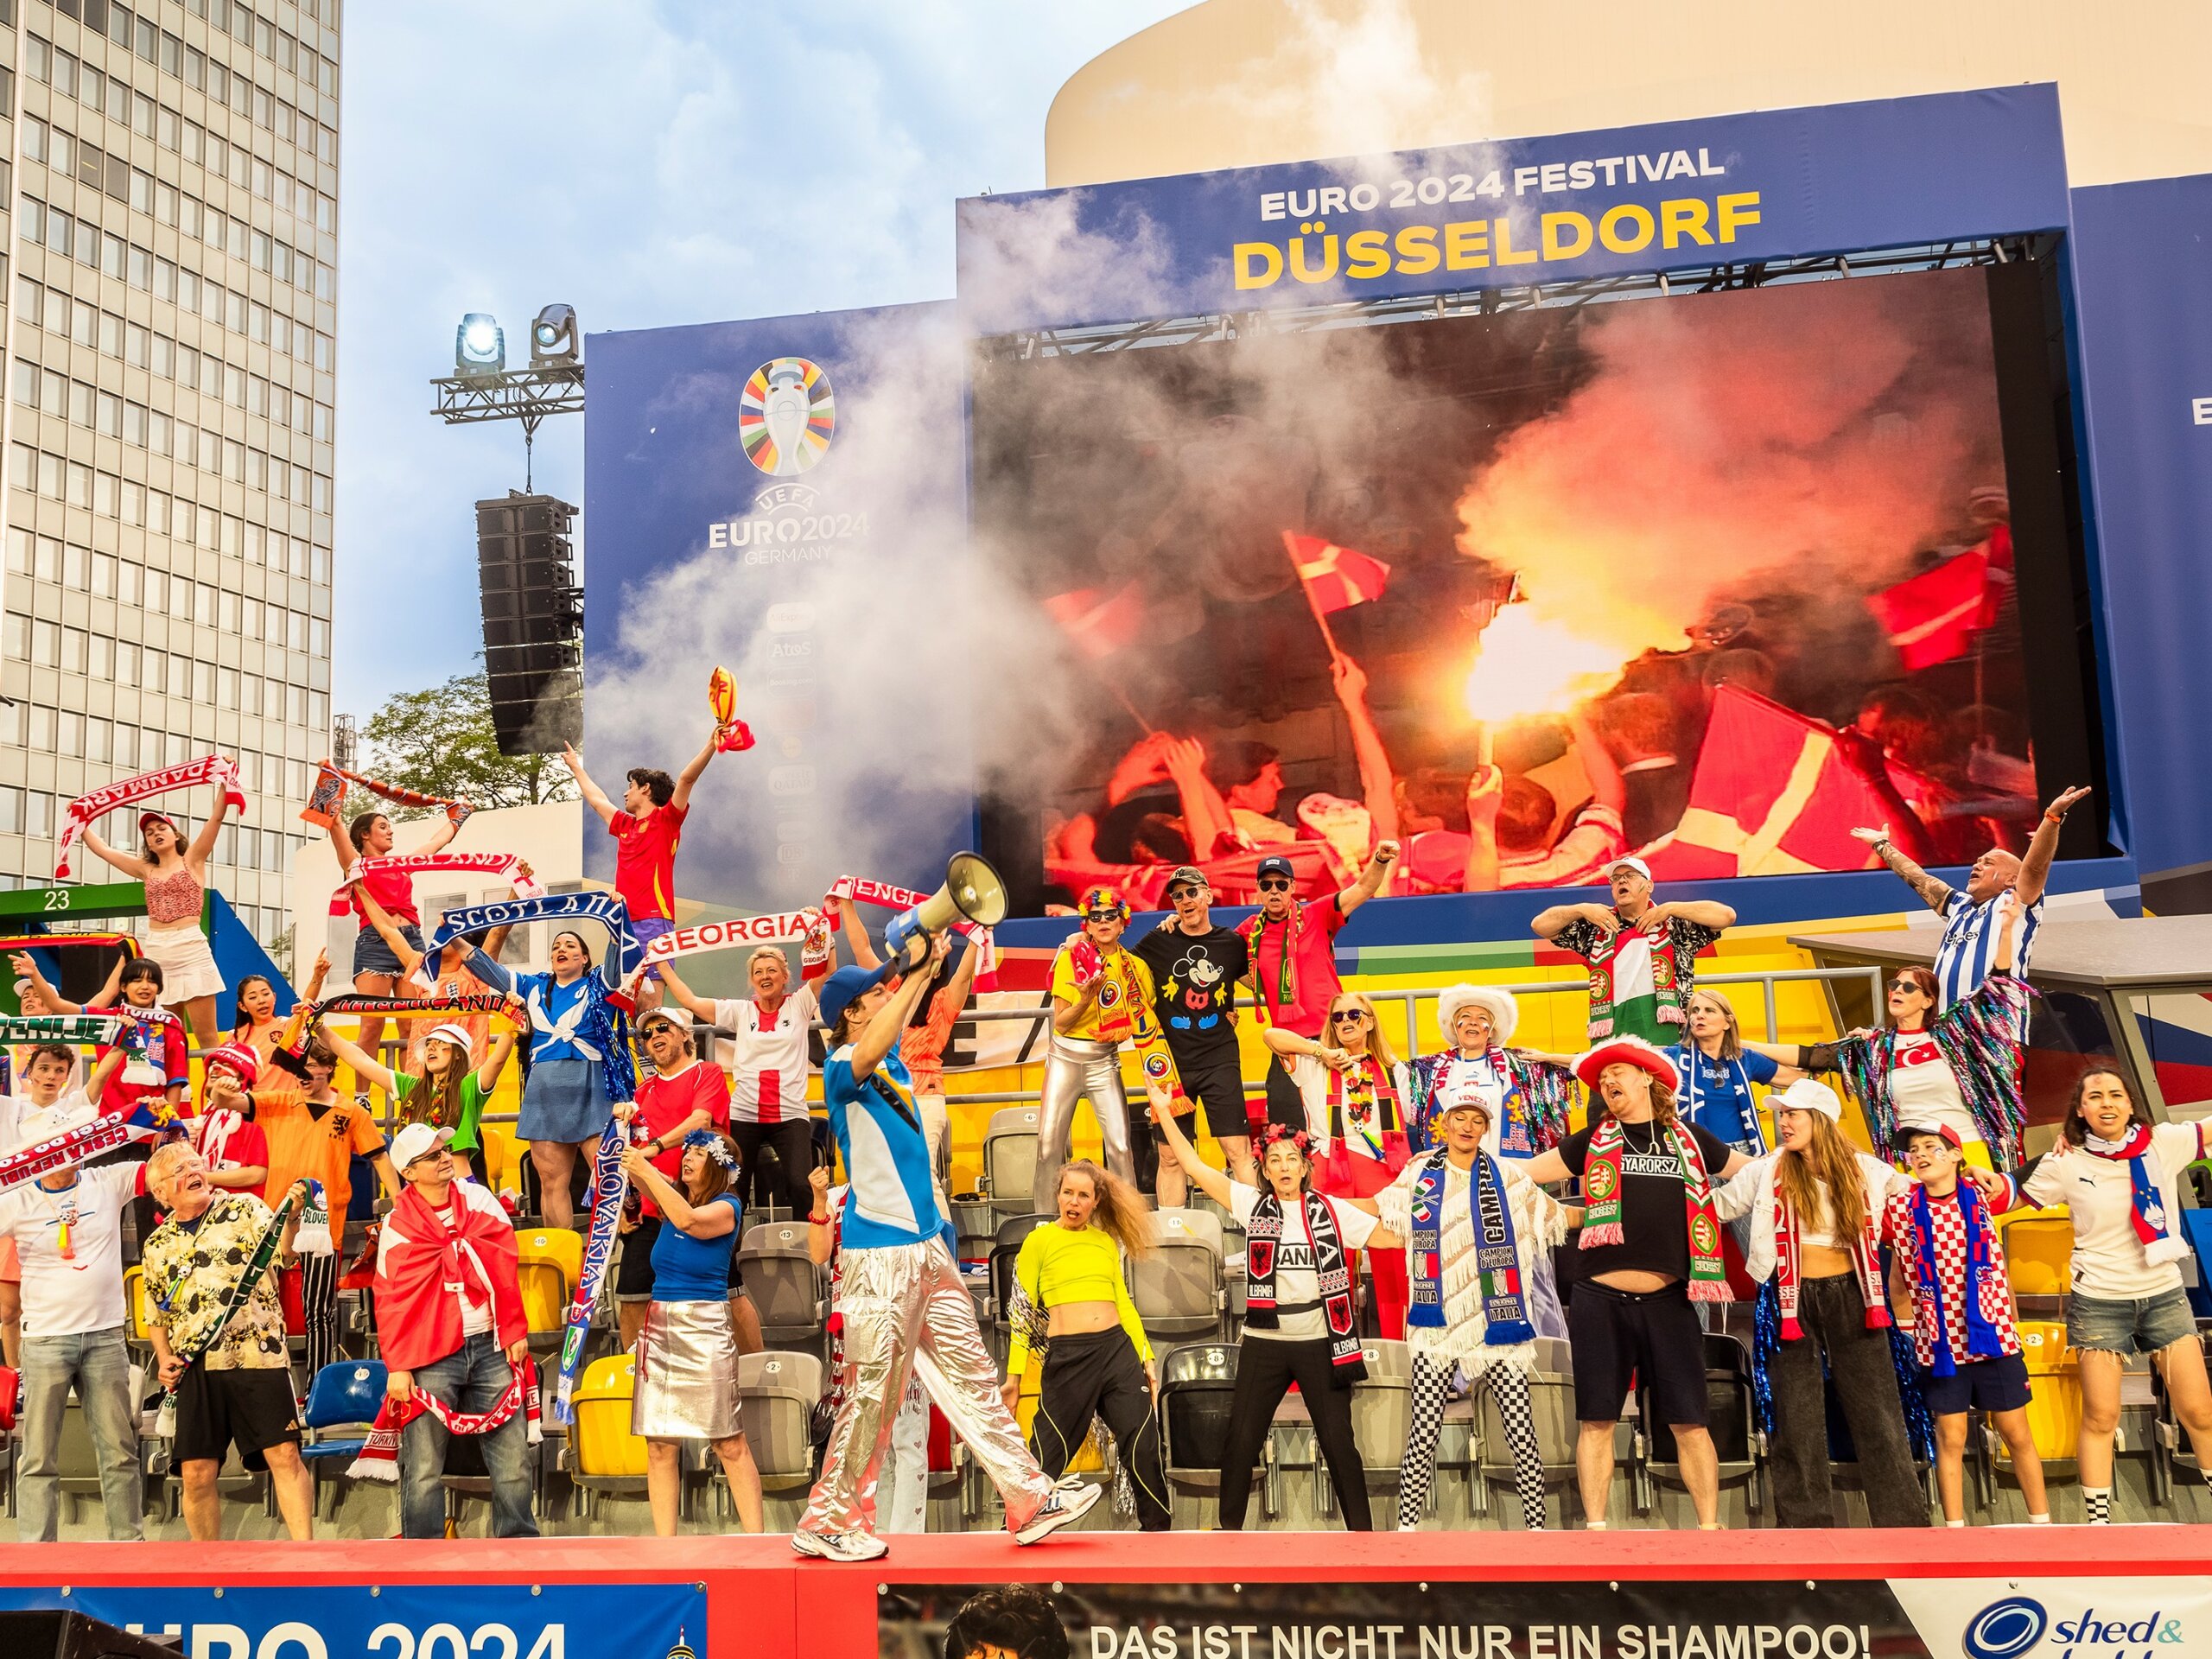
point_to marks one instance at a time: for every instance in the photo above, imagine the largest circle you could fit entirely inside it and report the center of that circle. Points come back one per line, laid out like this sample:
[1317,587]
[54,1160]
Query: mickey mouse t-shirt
[1194,977]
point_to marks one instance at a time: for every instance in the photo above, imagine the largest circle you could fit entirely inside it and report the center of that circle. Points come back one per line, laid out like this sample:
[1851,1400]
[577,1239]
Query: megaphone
[972,891]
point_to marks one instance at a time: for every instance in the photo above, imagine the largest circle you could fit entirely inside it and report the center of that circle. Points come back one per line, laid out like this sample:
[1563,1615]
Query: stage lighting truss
[1367,314]
[484,389]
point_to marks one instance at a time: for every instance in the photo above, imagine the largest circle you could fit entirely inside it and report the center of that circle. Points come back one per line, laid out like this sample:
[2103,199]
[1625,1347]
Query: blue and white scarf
[1497,1256]
[1982,1340]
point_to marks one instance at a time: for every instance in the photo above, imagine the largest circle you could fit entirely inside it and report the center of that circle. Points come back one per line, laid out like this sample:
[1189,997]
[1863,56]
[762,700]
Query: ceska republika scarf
[1789,1277]
[1665,978]
[1497,1256]
[1982,1340]
[89,809]
[2152,1209]
[1264,1236]
[1601,1191]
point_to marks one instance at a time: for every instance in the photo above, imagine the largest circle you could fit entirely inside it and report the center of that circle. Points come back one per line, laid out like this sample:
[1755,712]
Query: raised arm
[136,868]
[1705,912]
[495,1059]
[1551,923]
[1209,1180]
[855,932]
[1376,780]
[1372,878]
[1206,821]
[25,967]
[595,796]
[880,1035]
[690,776]
[821,1234]
[1485,794]
[707,1221]
[366,1067]
[2042,847]
[203,844]
[1933,893]
[699,1008]
[1786,1057]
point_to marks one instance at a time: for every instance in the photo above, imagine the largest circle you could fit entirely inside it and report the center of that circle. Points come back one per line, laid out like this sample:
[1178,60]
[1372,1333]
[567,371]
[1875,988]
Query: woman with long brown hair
[1071,1309]
[1813,1204]
[175,874]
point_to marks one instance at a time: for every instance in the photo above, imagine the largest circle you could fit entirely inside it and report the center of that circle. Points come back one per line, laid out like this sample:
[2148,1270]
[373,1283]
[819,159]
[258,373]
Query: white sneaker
[839,1546]
[1070,1501]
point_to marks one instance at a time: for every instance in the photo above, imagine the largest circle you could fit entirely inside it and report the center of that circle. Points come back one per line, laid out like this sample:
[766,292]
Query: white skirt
[188,965]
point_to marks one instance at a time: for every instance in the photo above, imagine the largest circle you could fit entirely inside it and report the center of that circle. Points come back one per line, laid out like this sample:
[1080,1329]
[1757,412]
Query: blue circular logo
[2006,1629]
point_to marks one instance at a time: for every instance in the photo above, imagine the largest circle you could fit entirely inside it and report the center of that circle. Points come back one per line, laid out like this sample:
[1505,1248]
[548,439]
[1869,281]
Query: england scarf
[499,864]
[88,809]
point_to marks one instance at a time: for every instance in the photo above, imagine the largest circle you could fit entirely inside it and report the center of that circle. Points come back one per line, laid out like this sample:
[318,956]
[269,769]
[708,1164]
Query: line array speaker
[533,621]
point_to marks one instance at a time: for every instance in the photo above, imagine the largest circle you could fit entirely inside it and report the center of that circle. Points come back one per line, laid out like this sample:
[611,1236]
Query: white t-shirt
[2099,1193]
[1296,1278]
[1362,1106]
[64,1298]
[475,1312]
[1922,1088]
[766,1061]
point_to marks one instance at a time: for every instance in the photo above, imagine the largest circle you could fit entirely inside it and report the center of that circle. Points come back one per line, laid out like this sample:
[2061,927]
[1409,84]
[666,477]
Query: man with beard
[1195,965]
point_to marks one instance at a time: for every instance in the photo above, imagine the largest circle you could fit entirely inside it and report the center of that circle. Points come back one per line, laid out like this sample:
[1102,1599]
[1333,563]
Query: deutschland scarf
[1982,1340]
[2150,1205]
[1666,979]
[1263,1234]
[330,794]
[89,809]
[1363,1113]
[1601,1189]
[1789,1277]
[1981,1038]
[1497,1256]
[379,1459]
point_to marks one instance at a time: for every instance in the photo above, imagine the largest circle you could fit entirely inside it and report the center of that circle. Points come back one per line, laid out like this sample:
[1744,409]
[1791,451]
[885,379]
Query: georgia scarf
[1601,1189]
[2148,1194]
[1665,977]
[1932,1326]
[379,1457]
[1789,1275]
[1263,1239]
[330,794]
[1364,1121]
[1981,1038]
[90,808]
[423,1265]
[1497,1255]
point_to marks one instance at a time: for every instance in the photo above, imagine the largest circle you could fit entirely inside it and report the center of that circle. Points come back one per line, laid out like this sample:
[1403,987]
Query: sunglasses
[1348,1016]
[1176,895]
[1102,915]
[1274,884]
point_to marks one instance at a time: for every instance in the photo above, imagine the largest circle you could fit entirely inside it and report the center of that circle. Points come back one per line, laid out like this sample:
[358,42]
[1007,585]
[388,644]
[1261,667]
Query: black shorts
[255,1410]
[1285,1104]
[1617,1335]
[633,1274]
[1215,1084]
[1999,1384]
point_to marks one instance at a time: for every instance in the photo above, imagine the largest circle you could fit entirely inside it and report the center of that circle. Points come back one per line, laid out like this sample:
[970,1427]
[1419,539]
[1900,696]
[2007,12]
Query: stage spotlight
[553,342]
[479,346]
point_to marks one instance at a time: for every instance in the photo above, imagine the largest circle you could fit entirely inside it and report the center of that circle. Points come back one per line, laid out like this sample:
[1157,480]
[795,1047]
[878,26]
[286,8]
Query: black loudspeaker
[533,621]
[72,1636]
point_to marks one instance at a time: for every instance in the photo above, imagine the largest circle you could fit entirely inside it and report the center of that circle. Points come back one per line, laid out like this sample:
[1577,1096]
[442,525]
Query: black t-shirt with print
[1194,977]
[1655,1215]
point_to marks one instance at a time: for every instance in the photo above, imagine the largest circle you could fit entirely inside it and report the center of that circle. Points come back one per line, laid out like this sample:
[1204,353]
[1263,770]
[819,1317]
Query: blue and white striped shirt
[1970,935]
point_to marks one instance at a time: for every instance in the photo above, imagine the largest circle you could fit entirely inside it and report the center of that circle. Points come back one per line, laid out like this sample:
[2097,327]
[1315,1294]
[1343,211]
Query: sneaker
[839,1546]
[1070,1501]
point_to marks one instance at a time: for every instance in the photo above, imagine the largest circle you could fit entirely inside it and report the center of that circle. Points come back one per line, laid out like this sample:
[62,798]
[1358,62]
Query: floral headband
[1278,1134]
[717,1149]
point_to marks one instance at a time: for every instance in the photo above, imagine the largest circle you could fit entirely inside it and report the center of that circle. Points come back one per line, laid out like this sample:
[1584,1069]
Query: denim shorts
[2139,1324]
[372,956]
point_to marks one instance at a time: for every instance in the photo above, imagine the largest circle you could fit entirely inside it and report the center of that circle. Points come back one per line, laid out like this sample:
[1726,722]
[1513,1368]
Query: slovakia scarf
[1982,1340]
[1263,1236]
[1665,978]
[1981,1038]
[423,1266]
[330,794]
[609,1182]
[1789,1275]
[90,808]
[1601,1189]
[499,864]
[1689,1060]
[379,1457]
[2153,1212]
[1365,1120]
[1497,1256]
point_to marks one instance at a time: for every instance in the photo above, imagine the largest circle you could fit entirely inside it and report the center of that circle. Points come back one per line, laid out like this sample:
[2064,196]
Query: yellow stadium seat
[2039,1255]
[496,1165]
[134,1301]
[604,1447]
[550,1260]
[2055,1402]
[1092,1459]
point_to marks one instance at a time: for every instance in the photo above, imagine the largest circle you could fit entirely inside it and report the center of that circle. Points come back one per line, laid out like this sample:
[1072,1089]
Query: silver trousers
[907,1311]
[1076,1068]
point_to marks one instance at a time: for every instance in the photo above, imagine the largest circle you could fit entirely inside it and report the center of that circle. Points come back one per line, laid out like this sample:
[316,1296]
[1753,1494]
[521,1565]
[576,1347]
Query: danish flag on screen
[1098,623]
[1336,576]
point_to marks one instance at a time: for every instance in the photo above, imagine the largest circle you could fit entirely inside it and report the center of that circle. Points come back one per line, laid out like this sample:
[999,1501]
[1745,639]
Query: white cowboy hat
[1504,1013]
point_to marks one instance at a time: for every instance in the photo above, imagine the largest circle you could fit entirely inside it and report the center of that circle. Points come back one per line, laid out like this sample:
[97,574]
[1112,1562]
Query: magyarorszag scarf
[1497,1256]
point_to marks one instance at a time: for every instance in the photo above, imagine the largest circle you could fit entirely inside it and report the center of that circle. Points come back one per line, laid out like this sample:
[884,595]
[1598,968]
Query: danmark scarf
[499,864]
[2148,1203]
[1982,1340]
[71,1028]
[1981,1038]
[1789,1275]
[1497,1256]
[1601,1189]
[1263,1236]
[90,808]
[609,1182]
[379,1457]
[1665,978]
[330,794]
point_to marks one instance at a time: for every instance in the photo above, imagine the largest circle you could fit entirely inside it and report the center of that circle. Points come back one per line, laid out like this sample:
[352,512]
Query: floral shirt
[190,1269]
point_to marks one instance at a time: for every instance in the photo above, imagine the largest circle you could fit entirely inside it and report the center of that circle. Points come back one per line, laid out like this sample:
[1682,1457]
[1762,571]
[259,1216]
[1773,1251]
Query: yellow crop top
[1057,1266]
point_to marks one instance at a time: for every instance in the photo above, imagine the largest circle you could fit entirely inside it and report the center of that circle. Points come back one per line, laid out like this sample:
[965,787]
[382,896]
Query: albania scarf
[1788,1277]
[1263,1236]
[1601,1189]
[423,1265]
[90,808]
[1665,978]
[1497,1256]
[1255,930]
[379,1459]
[1981,1038]
[2151,1206]
[330,794]
[499,864]
[1982,1340]
[1365,1120]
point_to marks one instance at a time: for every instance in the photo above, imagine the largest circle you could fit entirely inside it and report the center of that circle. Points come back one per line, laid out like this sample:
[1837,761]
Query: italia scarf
[1263,1237]
[499,864]
[609,1182]
[88,809]
[1665,978]
[1601,1189]
[330,794]
[1788,1277]
[1981,1038]
[379,1457]
[2151,1205]
[1982,1340]
[1497,1256]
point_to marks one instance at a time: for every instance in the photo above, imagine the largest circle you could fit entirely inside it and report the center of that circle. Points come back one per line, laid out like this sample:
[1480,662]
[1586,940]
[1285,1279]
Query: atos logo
[2006,1629]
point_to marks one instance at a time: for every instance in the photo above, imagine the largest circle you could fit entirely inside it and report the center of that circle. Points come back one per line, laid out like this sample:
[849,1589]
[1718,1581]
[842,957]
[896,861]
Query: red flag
[1773,795]
[1933,617]
[1099,623]
[1336,576]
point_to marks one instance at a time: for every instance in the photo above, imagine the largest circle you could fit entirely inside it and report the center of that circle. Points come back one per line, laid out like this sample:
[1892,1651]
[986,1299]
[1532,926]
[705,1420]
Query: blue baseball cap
[839,990]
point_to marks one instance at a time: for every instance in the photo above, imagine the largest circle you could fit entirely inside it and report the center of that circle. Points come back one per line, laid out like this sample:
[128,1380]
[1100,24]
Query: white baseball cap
[1630,863]
[1810,1095]
[675,1012]
[457,1035]
[416,1142]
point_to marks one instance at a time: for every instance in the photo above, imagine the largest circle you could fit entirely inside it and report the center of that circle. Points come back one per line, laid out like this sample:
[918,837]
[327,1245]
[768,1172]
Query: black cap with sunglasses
[1275,874]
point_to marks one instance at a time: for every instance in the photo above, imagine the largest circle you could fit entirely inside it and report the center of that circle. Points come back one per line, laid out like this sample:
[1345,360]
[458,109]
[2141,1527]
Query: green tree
[440,741]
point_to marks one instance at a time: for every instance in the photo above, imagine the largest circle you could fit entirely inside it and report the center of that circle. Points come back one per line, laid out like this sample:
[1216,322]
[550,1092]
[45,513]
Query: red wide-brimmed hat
[1625,1051]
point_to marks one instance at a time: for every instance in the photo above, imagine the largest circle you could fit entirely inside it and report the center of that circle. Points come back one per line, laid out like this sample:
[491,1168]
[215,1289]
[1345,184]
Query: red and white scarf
[330,794]
[1365,1122]
[499,864]
[894,897]
[379,1459]
[89,809]
[425,1268]
[1788,1276]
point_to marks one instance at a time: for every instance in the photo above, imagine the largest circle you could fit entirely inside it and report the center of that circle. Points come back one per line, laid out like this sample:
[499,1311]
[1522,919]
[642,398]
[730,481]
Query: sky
[650,162]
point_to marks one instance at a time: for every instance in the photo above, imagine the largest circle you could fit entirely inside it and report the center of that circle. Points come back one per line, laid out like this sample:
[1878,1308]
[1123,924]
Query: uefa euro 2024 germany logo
[786,416]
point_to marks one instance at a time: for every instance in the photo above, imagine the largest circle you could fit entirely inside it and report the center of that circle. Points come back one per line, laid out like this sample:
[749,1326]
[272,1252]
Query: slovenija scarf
[2152,1207]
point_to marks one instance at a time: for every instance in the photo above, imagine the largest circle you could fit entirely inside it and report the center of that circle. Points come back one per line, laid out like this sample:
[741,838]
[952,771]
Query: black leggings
[1099,1374]
[1266,1366]
[792,1141]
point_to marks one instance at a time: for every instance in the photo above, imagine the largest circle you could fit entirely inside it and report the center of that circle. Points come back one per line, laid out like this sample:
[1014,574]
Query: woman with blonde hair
[1815,1204]
[1071,1310]
[1715,1069]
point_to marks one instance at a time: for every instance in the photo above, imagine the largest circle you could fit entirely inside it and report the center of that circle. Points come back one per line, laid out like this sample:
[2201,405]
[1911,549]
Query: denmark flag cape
[420,1268]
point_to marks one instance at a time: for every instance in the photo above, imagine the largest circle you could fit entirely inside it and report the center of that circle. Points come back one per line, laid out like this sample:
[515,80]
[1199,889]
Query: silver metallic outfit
[1075,1067]
[905,1309]
[686,1380]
